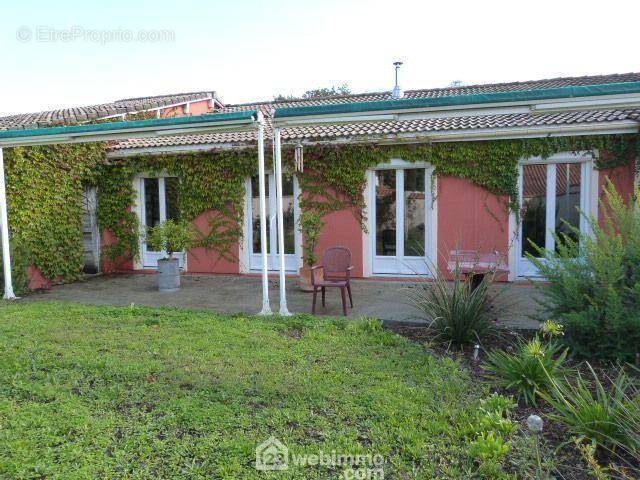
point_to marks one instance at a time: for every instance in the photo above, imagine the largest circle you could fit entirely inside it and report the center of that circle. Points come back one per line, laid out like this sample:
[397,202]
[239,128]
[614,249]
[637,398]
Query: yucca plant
[529,371]
[606,413]
[458,312]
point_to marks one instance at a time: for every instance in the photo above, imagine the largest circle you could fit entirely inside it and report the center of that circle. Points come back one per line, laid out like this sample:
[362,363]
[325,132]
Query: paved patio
[232,294]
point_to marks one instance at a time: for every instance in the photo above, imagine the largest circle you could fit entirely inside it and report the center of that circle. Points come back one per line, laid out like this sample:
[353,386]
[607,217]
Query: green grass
[135,392]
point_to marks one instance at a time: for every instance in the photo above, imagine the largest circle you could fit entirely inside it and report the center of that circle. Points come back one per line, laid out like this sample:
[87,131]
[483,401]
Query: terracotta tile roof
[394,128]
[390,129]
[94,112]
[447,91]
[319,132]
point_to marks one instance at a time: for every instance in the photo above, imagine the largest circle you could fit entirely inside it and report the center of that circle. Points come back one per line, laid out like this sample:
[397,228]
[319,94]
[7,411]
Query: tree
[317,92]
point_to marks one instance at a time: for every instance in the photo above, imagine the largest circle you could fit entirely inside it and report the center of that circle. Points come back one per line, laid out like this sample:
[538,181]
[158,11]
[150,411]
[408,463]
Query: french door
[402,219]
[552,197]
[290,217]
[160,203]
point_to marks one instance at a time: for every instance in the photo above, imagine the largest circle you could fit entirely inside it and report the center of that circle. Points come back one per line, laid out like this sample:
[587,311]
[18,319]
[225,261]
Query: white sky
[250,50]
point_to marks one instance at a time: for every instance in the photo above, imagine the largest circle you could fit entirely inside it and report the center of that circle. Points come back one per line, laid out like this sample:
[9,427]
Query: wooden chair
[336,272]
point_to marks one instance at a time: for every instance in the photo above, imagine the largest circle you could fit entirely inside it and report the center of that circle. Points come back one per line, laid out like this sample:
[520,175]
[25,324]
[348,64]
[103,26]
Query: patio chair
[336,272]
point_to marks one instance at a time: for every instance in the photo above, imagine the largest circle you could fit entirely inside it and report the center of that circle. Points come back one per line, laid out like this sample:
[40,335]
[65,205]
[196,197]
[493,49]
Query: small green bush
[20,262]
[605,412]
[594,288]
[458,313]
[529,371]
[171,237]
[488,446]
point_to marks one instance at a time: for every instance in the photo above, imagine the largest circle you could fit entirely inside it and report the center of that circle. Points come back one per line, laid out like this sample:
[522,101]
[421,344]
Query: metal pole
[6,252]
[266,308]
[283,291]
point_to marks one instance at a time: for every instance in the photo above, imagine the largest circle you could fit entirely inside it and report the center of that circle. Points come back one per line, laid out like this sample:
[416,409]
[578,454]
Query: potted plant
[170,237]
[311,225]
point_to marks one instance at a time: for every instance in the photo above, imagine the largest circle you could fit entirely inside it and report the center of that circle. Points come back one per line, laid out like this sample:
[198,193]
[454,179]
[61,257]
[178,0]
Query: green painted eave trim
[460,100]
[211,118]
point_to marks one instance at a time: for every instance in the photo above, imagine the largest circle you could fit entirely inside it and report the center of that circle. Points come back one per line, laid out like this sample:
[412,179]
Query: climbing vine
[44,195]
[210,181]
[334,177]
[45,186]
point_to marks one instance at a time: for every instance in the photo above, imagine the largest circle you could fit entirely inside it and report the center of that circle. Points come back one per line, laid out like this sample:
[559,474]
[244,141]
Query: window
[161,203]
[553,196]
[402,215]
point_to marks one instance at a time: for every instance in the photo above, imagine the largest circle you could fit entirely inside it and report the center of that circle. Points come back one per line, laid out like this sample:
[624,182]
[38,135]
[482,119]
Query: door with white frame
[159,203]
[552,194]
[290,192]
[402,219]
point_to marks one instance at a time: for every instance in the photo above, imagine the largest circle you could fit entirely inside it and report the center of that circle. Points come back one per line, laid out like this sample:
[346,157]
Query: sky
[73,53]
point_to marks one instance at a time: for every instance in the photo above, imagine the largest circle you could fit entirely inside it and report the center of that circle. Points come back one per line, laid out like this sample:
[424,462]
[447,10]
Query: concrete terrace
[227,294]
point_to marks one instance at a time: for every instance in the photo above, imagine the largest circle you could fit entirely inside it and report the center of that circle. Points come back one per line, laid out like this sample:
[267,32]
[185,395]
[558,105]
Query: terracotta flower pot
[304,279]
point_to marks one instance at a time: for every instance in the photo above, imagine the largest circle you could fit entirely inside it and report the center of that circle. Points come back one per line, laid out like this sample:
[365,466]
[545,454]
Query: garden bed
[566,458]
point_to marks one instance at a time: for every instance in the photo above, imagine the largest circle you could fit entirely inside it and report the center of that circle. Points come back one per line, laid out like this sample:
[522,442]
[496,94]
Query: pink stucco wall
[343,229]
[623,181]
[470,218]
[195,108]
[202,260]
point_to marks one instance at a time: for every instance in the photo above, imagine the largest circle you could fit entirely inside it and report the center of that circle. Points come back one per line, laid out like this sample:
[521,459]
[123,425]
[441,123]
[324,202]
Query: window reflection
[534,207]
[386,212]
[255,214]
[568,180]
[414,212]
[171,198]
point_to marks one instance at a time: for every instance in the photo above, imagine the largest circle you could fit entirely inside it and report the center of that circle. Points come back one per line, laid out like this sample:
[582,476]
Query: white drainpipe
[6,251]
[283,291]
[266,308]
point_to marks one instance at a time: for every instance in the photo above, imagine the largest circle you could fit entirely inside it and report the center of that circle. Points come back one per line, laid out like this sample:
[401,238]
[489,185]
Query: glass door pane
[534,207]
[288,209]
[386,212]
[151,202]
[171,198]
[255,215]
[567,213]
[414,212]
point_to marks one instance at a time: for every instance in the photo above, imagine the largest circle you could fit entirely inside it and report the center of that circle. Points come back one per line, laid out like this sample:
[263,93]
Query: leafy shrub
[529,371]
[20,262]
[458,313]
[607,413]
[595,283]
[488,446]
[171,237]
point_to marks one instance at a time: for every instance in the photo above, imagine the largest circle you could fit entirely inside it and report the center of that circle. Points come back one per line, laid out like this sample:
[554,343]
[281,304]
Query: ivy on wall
[335,175]
[207,181]
[45,186]
[44,195]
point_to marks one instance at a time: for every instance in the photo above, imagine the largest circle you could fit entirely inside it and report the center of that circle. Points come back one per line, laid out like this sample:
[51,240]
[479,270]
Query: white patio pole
[283,291]
[266,308]
[6,252]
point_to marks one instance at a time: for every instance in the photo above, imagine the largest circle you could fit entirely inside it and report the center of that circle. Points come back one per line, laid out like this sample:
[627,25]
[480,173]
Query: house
[484,167]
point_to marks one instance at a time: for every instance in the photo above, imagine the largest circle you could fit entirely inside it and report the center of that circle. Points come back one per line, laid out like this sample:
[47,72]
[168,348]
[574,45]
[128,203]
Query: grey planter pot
[168,275]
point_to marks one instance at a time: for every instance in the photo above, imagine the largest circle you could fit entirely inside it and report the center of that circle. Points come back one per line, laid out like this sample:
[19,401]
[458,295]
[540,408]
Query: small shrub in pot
[170,237]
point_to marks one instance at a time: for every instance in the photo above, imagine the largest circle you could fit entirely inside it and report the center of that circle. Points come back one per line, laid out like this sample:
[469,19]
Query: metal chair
[336,272]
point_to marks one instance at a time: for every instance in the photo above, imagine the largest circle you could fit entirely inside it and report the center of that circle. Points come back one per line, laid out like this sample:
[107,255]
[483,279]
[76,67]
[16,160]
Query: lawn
[134,392]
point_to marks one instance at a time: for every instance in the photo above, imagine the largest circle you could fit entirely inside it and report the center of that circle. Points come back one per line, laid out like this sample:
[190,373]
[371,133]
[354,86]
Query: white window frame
[149,259]
[523,268]
[251,262]
[401,265]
